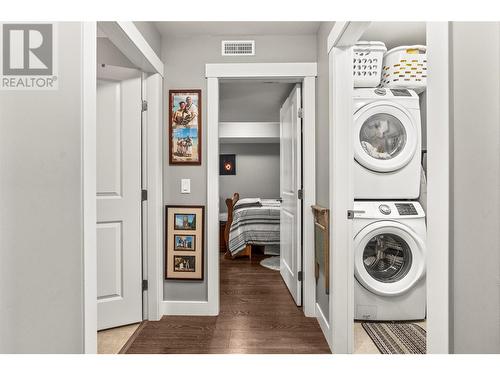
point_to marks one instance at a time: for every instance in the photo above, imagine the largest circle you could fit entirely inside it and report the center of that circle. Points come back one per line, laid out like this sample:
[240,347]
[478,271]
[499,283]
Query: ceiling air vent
[238,47]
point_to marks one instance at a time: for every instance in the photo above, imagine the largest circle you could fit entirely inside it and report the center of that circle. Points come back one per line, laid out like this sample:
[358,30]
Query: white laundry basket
[367,63]
[405,67]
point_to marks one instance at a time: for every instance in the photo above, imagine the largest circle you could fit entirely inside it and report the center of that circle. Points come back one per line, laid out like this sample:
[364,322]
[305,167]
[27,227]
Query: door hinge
[144,105]
[144,285]
[144,195]
[300,275]
[300,113]
[300,194]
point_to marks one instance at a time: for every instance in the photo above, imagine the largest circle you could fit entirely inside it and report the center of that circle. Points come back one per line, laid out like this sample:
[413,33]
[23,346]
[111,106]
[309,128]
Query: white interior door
[119,273]
[290,184]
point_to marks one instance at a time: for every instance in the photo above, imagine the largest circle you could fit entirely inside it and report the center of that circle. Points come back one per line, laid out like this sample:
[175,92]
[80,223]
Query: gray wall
[475,178]
[322,145]
[108,54]
[151,34]
[245,182]
[41,264]
[395,34]
[252,101]
[185,59]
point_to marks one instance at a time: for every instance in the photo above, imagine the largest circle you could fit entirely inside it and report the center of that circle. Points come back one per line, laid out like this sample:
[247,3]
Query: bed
[251,222]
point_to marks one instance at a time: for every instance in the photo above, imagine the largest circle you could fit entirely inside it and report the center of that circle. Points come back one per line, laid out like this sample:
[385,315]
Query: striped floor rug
[397,338]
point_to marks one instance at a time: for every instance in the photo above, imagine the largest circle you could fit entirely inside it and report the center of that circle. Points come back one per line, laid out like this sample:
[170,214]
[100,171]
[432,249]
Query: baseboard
[325,326]
[202,308]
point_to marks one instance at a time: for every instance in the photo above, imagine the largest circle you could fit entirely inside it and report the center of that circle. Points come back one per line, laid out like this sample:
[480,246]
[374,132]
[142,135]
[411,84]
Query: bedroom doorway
[218,75]
[260,133]
[261,217]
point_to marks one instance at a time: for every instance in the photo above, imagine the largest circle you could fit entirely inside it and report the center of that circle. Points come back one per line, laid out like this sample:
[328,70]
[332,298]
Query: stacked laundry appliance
[389,223]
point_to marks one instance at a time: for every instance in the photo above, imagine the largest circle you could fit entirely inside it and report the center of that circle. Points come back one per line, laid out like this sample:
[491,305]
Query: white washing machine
[387,144]
[389,260]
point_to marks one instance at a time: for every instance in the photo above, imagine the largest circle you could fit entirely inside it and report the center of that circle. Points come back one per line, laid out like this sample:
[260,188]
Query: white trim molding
[306,74]
[199,308]
[154,203]
[341,199]
[249,132]
[309,199]
[88,123]
[345,34]
[438,188]
[212,217]
[324,325]
[261,70]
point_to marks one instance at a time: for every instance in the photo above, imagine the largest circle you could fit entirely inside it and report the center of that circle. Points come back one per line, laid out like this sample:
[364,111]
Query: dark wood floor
[257,315]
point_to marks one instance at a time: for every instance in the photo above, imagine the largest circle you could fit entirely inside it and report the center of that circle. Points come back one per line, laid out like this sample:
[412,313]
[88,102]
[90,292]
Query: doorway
[345,251]
[132,47]
[261,135]
[303,74]
[301,78]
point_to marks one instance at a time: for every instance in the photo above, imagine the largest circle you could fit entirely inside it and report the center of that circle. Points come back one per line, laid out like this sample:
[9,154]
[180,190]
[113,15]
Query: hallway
[257,316]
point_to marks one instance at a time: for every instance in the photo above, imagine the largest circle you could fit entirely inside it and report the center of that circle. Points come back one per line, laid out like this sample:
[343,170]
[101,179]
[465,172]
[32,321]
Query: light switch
[186,186]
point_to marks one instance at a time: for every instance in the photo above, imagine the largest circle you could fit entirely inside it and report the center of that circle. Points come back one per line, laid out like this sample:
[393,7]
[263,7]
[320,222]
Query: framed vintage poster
[184,242]
[184,127]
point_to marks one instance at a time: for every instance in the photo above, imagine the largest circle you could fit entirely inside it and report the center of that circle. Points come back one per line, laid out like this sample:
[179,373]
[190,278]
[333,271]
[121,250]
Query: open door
[290,188]
[119,264]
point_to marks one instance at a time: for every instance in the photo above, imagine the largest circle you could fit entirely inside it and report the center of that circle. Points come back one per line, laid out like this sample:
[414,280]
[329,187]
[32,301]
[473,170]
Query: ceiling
[172,28]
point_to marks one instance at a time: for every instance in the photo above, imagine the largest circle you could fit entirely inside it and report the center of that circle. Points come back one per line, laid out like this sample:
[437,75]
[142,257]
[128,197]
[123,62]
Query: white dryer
[387,144]
[389,260]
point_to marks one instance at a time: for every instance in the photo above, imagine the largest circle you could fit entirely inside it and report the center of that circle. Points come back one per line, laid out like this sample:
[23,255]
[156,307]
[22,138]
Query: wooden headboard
[230,202]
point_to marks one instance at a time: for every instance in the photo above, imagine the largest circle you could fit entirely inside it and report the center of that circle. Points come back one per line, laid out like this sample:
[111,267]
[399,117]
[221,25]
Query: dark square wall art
[227,164]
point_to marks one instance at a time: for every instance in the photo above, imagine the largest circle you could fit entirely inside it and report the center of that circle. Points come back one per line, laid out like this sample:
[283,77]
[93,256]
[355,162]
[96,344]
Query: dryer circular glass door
[385,138]
[388,258]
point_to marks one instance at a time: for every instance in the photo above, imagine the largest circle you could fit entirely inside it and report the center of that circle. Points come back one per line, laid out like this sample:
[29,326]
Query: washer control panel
[406,209]
[385,209]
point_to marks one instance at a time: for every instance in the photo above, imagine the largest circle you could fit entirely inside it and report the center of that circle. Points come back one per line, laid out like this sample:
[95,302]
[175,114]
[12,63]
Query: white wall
[41,265]
[265,157]
[475,178]
[185,59]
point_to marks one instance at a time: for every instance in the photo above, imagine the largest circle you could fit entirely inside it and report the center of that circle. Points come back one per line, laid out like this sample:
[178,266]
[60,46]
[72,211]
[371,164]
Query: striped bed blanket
[255,221]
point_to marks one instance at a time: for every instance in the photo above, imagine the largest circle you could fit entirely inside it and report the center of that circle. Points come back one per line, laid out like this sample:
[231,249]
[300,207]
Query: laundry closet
[389,188]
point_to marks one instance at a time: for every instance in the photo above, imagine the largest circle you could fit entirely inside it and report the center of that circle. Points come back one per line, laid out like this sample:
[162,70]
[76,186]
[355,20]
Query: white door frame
[340,41]
[154,208]
[304,73]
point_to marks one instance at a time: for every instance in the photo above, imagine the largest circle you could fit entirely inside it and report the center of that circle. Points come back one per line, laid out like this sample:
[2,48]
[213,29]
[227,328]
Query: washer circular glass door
[388,258]
[385,138]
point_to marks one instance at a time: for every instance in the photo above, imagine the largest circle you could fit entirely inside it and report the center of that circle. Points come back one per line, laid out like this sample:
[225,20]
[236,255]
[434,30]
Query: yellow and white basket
[405,67]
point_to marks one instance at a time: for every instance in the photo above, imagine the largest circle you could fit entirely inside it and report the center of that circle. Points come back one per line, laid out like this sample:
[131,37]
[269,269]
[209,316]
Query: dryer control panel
[387,210]
[400,92]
